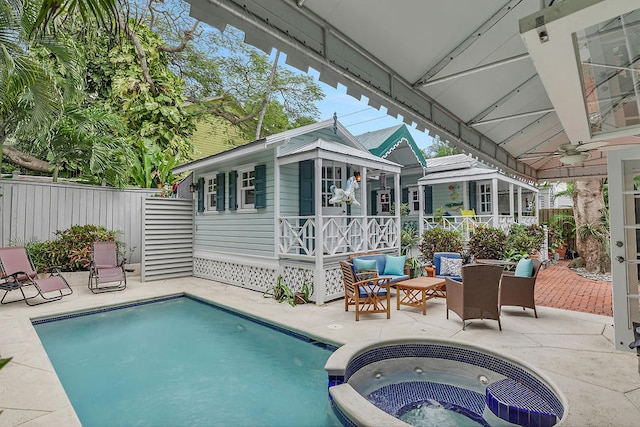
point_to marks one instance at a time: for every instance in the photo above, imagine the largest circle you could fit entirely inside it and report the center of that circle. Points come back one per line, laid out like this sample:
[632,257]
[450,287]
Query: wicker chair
[519,291]
[476,297]
[370,295]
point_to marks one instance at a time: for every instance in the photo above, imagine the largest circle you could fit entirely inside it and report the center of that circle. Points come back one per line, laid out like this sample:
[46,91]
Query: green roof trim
[381,143]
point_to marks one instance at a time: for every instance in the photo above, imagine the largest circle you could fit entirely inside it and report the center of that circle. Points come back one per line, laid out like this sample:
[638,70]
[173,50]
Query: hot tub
[438,381]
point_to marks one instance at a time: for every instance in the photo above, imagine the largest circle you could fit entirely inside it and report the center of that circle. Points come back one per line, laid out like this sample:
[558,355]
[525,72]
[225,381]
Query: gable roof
[384,141]
[294,138]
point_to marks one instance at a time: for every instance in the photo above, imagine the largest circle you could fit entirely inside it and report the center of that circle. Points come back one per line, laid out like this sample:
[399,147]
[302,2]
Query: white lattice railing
[340,234]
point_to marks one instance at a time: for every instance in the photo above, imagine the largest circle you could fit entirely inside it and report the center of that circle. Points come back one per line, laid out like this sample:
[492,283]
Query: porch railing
[340,234]
[465,225]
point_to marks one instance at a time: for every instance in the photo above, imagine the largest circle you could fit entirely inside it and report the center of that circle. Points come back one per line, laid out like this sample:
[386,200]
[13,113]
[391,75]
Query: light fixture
[193,187]
[574,159]
[357,176]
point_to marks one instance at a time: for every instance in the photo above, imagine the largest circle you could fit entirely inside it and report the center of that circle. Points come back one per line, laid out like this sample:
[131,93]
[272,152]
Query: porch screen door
[335,220]
[624,203]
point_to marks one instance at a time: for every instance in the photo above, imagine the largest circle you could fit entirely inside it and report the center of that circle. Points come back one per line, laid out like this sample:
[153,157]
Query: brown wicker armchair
[519,291]
[370,295]
[476,297]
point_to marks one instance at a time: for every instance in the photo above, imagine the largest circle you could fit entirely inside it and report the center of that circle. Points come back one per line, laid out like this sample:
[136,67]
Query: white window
[246,188]
[414,200]
[331,175]
[484,197]
[210,191]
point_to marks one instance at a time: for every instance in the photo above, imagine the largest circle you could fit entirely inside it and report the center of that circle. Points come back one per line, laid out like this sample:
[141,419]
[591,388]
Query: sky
[357,116]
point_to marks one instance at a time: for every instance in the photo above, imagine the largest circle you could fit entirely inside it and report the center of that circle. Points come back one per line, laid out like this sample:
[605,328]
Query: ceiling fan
[568,154]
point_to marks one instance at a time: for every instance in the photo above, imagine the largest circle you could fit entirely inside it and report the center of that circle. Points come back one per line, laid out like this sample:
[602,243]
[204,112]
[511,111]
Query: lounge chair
[369,295]
[519,290]
[105,269]
[476,297]
[18,272]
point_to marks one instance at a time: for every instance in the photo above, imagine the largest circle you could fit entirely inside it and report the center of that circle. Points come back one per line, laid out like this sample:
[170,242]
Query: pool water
[181,362]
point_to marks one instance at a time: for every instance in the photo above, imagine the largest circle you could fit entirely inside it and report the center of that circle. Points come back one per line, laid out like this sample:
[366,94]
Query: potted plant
[302,297]
[409,238]
[281,292]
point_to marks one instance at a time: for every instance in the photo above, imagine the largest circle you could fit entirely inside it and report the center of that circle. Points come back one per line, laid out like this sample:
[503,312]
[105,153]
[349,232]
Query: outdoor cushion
[394,265]
[379,258]
[438,256]
[365,264]
[524,268]
[451,266]
[364,291]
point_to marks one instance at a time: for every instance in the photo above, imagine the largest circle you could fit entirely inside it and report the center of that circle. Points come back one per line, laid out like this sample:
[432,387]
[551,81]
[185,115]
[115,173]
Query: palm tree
[27,90]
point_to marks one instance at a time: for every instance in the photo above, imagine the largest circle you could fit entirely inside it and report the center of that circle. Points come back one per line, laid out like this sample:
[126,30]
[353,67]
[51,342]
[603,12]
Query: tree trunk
[24,160]
[267,94]
[588,205]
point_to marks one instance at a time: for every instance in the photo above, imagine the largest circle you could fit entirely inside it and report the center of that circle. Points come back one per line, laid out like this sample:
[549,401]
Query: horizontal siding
[34,211]
[289,190]
[238,232]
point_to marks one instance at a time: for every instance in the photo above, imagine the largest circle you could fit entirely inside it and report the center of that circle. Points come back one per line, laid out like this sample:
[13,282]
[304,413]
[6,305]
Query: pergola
[542,89]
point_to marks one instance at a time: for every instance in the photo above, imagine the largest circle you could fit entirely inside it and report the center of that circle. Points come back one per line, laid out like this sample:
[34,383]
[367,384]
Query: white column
[519,204]
[494,201]
[364,201]
[511,200]
[421,202]
[398,202]
[321,285]
[465,194]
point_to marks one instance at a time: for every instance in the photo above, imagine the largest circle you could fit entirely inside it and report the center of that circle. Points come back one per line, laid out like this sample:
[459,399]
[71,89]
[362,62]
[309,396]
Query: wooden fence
[544,215]
[33,211]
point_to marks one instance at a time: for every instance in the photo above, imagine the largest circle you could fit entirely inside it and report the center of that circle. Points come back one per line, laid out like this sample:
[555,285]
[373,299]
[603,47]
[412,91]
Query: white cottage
[263,209]
[469,192]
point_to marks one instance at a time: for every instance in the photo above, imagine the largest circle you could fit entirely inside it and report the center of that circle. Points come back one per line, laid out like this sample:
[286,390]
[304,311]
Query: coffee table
[416,292]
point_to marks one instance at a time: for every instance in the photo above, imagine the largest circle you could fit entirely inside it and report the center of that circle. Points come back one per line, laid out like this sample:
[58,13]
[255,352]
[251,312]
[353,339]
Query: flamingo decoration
[347,195]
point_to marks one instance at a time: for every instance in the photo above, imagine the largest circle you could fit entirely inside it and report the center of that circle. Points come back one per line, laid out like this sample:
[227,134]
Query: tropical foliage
[439,239]
[487,242]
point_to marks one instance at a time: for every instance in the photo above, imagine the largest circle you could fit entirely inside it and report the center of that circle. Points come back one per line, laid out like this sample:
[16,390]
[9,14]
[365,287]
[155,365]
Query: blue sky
[357,116]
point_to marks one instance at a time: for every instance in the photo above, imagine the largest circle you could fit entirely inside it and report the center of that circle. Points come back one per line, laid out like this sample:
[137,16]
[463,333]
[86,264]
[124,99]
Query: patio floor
[572,348]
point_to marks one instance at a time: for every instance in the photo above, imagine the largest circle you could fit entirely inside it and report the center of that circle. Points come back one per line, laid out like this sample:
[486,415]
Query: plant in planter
[439,239]
[409,238]
[281,292]
[487,242]
[302,297]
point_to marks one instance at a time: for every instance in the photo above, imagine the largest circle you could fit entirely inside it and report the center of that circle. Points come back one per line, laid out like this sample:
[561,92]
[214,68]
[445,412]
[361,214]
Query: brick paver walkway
[560,287]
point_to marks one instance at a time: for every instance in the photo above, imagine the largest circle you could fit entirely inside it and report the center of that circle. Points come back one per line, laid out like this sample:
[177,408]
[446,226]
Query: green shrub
[439,239]
[488,242]
[72,248]
[40,254]
[526,238]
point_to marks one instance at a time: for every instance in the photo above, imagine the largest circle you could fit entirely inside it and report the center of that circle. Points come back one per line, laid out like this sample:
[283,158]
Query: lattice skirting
[260,278]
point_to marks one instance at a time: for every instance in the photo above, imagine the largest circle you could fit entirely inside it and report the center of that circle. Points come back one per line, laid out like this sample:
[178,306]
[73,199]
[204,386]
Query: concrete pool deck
[573,349]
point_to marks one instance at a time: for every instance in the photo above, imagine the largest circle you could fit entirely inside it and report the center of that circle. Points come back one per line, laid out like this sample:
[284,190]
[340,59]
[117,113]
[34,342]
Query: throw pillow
[524,268]
[450,266]
[394,265]
[365,264]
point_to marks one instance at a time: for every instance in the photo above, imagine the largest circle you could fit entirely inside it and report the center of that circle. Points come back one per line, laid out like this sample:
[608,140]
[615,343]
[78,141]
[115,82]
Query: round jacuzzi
[424,382]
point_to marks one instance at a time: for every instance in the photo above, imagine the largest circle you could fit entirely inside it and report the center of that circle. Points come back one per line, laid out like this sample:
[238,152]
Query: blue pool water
[180,362]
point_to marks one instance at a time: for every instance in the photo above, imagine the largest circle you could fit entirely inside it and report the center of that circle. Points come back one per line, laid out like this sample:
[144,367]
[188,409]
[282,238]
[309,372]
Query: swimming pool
[179,361]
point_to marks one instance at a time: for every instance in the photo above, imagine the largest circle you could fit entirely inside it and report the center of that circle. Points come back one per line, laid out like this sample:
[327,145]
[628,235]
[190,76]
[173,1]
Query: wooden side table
[416,292]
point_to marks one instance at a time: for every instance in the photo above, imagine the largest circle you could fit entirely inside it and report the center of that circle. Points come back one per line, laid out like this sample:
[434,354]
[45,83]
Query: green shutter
[428,200]
[220,196]
[233,191]
[374,202]
[260,186]
[306,188]
[200,194]
[473,198]
[405,195]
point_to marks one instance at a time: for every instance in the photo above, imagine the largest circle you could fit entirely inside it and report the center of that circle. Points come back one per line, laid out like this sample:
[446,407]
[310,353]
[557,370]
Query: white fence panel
[167,240]
[34,211]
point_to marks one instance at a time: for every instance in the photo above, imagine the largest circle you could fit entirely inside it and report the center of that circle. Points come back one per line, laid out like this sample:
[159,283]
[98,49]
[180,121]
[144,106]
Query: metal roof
[493,77]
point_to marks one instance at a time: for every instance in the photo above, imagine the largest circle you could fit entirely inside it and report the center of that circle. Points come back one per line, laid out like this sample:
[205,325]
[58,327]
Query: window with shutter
[260,187]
